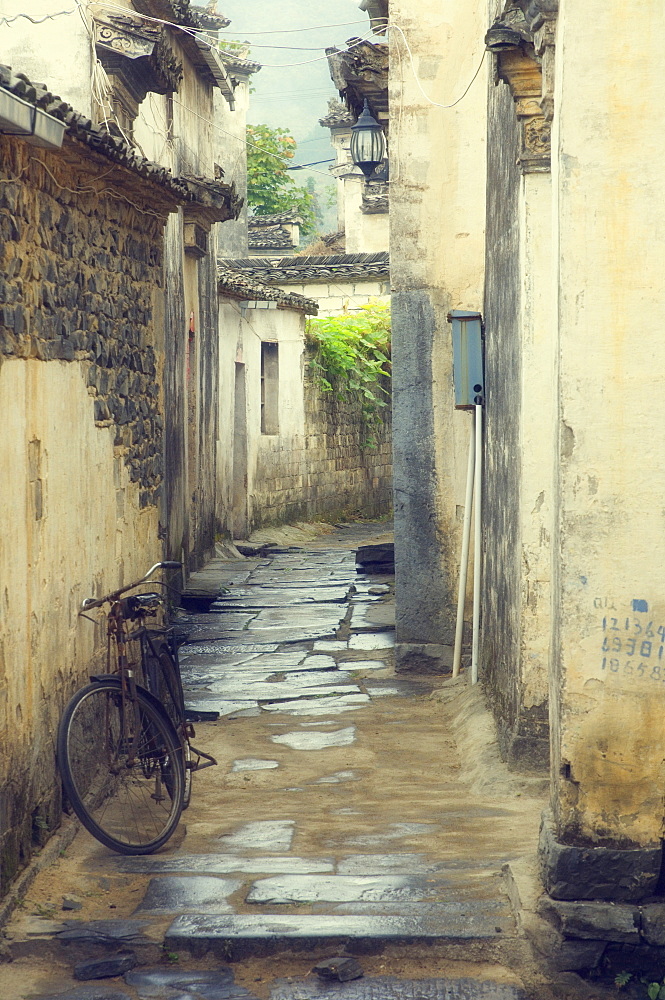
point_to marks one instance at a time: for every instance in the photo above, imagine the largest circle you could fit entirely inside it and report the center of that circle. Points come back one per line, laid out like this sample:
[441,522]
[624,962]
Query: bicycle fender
[114,679]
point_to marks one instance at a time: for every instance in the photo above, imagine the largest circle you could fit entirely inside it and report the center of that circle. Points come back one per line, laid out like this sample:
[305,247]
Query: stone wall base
[601,914]
[575,873]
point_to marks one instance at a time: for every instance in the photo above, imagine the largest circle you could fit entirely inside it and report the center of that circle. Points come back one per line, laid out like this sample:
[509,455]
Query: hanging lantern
[368,143]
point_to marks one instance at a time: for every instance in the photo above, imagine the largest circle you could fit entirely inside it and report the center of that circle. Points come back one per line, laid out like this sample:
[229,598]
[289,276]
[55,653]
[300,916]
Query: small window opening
[269,388]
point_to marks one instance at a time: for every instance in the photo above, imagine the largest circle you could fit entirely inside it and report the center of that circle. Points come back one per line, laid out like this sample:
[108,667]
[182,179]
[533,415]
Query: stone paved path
[339,818]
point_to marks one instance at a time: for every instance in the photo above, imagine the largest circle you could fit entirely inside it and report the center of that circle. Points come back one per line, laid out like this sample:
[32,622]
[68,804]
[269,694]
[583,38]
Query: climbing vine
[351,358]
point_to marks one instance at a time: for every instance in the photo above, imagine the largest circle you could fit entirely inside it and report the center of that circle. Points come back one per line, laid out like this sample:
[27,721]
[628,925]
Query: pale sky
[294,97]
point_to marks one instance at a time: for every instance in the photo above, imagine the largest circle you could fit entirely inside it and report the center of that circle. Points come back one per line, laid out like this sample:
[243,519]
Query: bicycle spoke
[126,788]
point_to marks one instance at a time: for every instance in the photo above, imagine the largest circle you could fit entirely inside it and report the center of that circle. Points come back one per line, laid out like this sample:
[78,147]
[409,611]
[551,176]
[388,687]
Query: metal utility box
[468,368]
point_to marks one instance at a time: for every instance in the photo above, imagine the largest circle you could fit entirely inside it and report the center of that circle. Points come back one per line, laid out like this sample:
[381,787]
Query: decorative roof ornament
[522,41]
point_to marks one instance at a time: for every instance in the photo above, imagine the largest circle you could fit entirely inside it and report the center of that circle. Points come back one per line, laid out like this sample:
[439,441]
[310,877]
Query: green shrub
[352,358]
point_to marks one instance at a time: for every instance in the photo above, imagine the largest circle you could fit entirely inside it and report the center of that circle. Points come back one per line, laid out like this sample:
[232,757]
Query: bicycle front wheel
[122,767]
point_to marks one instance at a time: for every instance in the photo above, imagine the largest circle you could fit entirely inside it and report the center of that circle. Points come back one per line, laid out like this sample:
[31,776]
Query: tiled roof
[338,116]
[215,196]
[269,238]
[185,13]
[299,270]
[236,285]
[288,218]
[238,63]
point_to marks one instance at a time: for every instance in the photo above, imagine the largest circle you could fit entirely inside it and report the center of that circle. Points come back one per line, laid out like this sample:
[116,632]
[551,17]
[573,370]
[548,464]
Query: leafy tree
[270,187]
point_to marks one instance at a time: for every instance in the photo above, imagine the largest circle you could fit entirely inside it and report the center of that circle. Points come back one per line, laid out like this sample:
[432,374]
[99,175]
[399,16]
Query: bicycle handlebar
[92,602]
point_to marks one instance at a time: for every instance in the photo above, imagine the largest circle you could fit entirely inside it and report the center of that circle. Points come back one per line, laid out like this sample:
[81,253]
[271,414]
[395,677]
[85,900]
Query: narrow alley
[344,818]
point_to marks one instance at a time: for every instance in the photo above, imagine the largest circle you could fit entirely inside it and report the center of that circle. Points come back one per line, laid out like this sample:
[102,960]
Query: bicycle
[124,748]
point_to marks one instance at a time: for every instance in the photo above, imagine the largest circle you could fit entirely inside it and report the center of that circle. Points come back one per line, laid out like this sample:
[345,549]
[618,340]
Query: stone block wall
[79,272]
[331,471]
[81,406]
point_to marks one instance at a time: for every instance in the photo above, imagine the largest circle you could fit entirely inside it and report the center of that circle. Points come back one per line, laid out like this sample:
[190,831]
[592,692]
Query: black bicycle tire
[160,727]
[174,703]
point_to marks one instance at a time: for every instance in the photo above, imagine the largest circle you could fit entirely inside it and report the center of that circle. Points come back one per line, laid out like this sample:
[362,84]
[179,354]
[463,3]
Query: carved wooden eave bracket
[522,42]
[361,73]
[138,55]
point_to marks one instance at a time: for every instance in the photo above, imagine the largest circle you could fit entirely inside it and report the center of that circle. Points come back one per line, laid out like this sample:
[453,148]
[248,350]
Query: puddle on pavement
[254,764]
[294,889]
[221,864]
[262,835]
[317,741]
[338,778]
[324,706]
[396,831]
[198,893]
[373,640]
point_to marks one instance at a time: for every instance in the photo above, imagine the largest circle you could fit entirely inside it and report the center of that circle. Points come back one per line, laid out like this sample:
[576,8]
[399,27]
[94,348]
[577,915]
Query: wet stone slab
[93,991]
[282,597]
[388,988]
[211,707]
[247,934]
[290,889]
[223,648]
[462,919]
[262,835]
[319,704]
[278,635]
[188,893]
[396,831]
[398,687]
[317,741]
[241,689]
[388,864]
[254,764]
[220,864]
[177,984]
[374,640]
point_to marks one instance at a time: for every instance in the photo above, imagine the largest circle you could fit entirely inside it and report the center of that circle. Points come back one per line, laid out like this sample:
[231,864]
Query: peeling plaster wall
[609,583]
[437,170]
[82,411]
[519,415]
[502,565]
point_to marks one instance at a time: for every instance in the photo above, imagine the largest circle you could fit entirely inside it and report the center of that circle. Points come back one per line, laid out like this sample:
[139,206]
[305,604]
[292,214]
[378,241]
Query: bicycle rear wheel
[122,767]
[162,678]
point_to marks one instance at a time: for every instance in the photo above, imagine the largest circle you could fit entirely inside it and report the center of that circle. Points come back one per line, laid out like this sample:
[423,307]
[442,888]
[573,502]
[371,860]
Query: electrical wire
[288,31]
[396,27]
[261,149]
[36,20]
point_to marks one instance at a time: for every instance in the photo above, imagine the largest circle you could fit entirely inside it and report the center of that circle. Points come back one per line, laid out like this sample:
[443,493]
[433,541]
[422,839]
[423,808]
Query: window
[269,388]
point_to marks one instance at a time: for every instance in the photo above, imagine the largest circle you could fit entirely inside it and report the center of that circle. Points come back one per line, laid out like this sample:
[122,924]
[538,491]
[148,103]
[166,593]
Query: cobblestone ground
[343,818]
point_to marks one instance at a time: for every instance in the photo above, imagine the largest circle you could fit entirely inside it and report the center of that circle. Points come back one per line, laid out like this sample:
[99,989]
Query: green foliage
[622,979]
[270,187]
[352,358]
[656,991]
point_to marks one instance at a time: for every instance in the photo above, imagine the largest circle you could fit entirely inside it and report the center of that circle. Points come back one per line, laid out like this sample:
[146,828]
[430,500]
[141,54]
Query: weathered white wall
[363,233]
[57,52]
[71,528]
[241,333]
[317,464]
[609,581]
[334,298]
[437,263]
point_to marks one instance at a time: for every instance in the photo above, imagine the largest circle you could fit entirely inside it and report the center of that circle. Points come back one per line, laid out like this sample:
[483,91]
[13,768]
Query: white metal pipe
[477,542]
[464,561]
